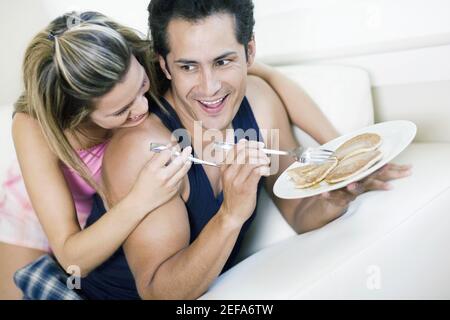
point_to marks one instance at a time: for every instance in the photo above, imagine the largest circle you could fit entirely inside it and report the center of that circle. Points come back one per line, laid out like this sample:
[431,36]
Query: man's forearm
[189,273]
[308,214]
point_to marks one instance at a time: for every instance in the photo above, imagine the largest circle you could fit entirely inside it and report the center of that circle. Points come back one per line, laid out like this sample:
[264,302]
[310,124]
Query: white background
[405,45]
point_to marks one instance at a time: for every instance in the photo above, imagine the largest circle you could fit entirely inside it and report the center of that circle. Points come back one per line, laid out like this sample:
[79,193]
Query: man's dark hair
[161,12]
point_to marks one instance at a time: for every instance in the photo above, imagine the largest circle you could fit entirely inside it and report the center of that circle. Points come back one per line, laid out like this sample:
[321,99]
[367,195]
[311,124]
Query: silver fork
[158,147]
[300,154]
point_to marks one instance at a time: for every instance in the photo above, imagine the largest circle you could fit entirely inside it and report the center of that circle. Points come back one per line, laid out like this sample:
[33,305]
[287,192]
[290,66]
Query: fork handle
[278,152]
[198,161]
[228,146]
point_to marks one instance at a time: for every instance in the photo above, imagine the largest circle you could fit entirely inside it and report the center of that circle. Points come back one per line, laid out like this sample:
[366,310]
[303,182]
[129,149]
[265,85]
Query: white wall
[394,39]
[21,19]
[403,44]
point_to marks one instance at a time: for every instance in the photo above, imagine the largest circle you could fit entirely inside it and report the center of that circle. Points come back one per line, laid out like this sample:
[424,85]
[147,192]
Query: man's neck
[196,131]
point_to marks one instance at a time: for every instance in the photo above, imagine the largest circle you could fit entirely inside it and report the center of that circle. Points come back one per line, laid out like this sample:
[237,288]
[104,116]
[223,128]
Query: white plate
[395,135]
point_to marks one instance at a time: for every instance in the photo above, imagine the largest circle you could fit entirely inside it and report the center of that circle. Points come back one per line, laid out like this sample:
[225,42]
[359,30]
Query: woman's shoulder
[26,129]
[23,120]
[29,140]
[151,130]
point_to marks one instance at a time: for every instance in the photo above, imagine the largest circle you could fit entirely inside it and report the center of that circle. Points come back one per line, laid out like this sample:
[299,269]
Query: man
[204,48]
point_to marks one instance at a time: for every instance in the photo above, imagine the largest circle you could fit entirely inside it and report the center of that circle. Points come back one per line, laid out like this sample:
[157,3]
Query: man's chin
[215,124]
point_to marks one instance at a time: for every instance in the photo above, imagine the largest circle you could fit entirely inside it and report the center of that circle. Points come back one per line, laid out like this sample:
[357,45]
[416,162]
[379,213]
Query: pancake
[359,144]
[306,176]
[353,165]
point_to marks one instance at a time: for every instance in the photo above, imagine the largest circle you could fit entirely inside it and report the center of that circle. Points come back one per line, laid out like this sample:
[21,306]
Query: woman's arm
[301,109]
[53,204]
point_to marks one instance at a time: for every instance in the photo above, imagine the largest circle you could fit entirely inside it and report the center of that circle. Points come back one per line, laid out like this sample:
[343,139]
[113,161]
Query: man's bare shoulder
[136,140]
[266,105]
[128,152]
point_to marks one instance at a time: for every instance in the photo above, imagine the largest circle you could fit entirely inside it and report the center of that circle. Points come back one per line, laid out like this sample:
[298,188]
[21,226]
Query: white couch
[388,245]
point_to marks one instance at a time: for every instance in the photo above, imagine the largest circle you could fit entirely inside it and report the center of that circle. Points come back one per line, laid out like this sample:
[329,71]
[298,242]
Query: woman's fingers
[178,162]
[179,171]
[177,178]
[161,159]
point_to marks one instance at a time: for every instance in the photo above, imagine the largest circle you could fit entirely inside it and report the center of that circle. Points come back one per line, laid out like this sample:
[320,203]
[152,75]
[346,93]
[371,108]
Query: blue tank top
[113,279]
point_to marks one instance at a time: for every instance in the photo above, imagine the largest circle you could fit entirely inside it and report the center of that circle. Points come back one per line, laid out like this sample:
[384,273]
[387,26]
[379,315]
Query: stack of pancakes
[351,158]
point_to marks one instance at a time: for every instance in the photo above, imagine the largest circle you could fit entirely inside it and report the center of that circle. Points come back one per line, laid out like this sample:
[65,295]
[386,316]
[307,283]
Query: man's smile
[213,107]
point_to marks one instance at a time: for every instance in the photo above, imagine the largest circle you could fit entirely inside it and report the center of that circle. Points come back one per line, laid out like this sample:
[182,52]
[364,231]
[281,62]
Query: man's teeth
[210,103]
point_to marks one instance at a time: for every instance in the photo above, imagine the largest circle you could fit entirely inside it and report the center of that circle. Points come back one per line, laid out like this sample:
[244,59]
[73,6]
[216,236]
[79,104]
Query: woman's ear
[164,67]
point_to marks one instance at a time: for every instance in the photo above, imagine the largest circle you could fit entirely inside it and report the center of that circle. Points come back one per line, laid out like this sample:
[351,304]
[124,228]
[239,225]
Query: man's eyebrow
[187,61]
[226,54]
[131,102]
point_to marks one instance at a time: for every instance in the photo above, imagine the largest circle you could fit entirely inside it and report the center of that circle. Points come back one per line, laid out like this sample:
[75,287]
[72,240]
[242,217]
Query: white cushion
[403,232]
[343,94]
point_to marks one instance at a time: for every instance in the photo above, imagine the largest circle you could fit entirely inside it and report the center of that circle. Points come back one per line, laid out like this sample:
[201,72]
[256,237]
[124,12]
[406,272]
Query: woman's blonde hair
[76,59]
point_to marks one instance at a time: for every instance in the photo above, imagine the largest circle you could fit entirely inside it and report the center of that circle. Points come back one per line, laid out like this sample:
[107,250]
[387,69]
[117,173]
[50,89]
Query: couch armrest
[334,261]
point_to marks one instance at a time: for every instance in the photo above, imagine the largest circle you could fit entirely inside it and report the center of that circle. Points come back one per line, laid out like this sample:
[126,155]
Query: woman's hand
[261,70]
[160,179]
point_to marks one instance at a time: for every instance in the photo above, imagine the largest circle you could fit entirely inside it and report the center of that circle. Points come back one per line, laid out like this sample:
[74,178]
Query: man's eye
[222,63]
[187,68]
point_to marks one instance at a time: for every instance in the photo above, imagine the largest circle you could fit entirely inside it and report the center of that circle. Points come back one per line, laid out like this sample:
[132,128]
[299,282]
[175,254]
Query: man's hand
[244,167]
[337,201]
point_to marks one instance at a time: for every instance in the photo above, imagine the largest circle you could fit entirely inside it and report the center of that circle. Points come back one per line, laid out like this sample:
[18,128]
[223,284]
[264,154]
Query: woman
[81,84]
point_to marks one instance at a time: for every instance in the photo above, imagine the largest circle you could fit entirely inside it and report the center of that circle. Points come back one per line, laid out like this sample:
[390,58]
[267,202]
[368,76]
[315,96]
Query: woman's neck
[87,135]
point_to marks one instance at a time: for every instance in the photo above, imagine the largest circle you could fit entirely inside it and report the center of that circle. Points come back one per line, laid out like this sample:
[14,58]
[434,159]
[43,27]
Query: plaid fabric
[44,279]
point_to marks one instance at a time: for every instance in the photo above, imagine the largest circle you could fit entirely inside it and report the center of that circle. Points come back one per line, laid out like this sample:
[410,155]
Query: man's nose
[209,83]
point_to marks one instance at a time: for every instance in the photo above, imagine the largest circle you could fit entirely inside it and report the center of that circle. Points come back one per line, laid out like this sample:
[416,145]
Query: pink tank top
[82,192]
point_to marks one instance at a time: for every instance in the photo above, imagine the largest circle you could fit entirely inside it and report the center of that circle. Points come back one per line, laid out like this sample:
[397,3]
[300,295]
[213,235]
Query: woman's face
[125,105]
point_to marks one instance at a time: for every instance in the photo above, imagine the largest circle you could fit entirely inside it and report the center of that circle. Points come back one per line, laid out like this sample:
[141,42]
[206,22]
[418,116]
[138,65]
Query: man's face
[208,69]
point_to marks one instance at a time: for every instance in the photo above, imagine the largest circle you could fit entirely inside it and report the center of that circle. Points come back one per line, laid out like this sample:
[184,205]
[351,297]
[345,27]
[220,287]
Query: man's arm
[309,213]
[302,214]
[164,264]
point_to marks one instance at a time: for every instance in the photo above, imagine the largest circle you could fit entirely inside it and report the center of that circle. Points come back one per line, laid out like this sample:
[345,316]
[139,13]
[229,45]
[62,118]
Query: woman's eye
[121,113]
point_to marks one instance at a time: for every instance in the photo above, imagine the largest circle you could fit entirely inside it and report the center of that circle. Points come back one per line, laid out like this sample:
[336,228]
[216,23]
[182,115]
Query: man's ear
[251,51]
[164,68]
